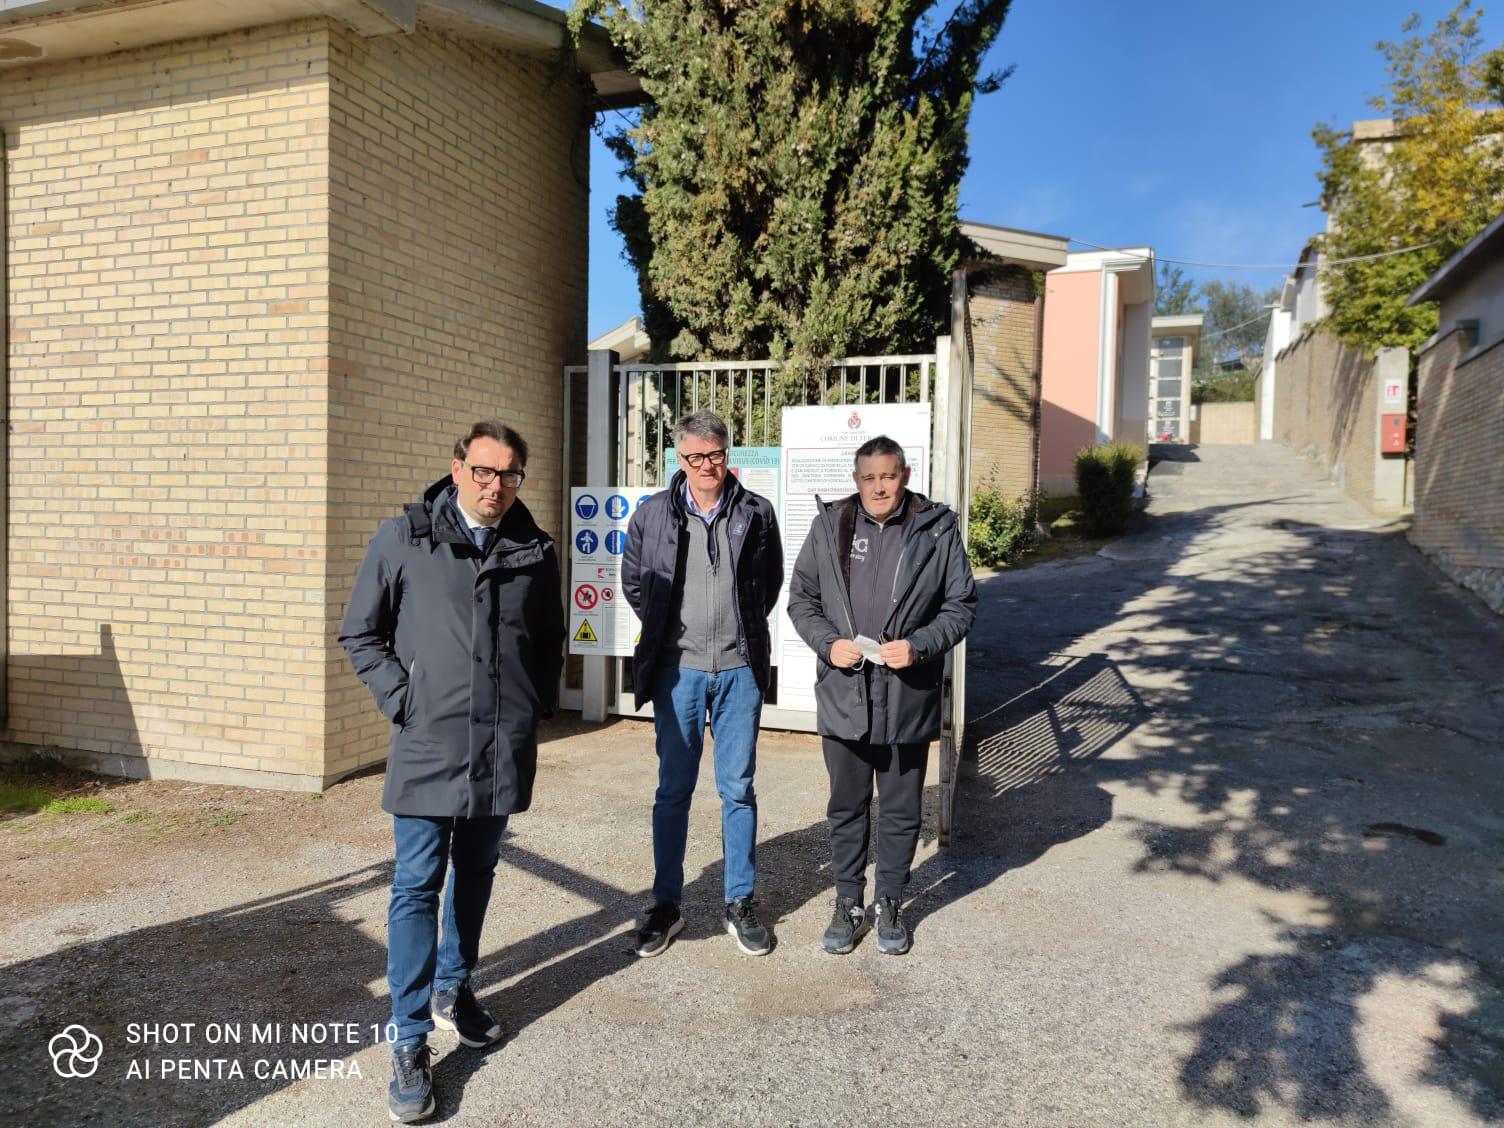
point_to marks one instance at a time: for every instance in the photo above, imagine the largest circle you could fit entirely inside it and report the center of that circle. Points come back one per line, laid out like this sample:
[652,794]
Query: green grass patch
[77,805]
[23,798]
[227,818]
[137,817]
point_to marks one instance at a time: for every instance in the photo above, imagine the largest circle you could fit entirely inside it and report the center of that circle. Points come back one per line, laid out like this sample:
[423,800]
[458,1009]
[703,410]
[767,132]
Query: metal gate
[618,419]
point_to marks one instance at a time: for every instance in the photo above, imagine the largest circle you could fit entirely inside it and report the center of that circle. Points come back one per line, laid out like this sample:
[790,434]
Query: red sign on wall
[1395,431]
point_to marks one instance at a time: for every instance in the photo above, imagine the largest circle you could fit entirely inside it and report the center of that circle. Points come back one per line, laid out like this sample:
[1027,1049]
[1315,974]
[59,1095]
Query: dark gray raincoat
[461,653]
[934,601]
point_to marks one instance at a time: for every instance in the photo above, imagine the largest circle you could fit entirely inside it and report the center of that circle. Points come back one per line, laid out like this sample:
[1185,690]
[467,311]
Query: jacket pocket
[409,698]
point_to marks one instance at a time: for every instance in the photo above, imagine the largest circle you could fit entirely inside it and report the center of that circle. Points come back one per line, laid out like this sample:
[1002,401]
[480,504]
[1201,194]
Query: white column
[600,465]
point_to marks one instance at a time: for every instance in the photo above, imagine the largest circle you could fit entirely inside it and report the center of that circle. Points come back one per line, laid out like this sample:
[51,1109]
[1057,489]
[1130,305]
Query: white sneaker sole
[424,1115]
[856,936]
[731,929]
[673,930]
[493,1035]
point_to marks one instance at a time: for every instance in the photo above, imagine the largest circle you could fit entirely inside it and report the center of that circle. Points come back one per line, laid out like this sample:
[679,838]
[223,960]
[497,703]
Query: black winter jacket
[933,604]
[653,582]
[462,655]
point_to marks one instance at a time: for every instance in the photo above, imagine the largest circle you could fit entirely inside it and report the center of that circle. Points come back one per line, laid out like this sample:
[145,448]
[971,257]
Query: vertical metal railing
[750,396]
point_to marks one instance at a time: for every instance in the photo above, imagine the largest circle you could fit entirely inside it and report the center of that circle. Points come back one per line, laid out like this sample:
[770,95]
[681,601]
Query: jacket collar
[519,541]
[731,492]
[922,511]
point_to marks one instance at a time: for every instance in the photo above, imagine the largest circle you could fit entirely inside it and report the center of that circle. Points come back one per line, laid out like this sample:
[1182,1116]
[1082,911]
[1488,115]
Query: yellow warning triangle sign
[585,634]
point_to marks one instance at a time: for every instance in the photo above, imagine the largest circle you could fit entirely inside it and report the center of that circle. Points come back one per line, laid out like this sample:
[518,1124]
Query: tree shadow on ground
[1292,687]
[285,958]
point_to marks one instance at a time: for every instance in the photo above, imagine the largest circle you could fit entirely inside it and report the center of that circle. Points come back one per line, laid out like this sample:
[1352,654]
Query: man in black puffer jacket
[702,569]
[886,566]
[456,626]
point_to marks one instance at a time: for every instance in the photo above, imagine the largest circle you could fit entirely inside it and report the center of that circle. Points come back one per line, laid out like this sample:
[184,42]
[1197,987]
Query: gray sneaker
[846,926]
[409,1098]
[663,923]
[459,1010]
[751,935]
[892,936]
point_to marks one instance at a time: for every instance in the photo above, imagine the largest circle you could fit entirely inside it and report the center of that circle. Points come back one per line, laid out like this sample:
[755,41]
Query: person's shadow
[1021,791]
[1024,786]
[792,868]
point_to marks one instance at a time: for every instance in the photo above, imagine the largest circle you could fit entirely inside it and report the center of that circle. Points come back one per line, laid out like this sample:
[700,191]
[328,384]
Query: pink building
[1094,386]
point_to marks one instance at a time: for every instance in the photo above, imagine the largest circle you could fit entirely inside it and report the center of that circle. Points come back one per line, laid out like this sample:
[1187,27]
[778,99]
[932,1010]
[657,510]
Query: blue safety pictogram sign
[616,542]
[587,542]
[585,506]
[616,506]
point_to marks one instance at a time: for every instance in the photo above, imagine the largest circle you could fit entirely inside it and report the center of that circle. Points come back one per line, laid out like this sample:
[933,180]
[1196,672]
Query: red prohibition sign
[584,597]
[607,595]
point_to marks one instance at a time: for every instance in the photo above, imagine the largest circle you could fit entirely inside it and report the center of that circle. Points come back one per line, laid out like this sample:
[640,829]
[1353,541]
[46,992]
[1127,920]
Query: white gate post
[600,464]
[948,484]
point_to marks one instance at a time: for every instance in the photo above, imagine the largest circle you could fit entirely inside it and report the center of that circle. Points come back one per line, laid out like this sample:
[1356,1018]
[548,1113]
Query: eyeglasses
[716,457]
[485,475]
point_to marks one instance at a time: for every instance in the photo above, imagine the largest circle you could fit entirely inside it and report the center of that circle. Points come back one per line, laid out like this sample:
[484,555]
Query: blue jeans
[681,701]
[419,960]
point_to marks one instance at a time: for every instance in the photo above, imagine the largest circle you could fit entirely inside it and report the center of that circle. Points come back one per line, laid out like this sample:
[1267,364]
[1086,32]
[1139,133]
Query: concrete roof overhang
[1178,325]
[1030,249]
[1134,267]
[37,31]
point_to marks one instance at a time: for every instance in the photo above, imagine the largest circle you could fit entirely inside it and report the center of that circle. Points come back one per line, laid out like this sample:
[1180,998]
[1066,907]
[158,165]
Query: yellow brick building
[263,262]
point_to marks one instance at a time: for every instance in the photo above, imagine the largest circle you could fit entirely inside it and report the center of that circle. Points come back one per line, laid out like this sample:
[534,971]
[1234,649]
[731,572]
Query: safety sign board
[600,619]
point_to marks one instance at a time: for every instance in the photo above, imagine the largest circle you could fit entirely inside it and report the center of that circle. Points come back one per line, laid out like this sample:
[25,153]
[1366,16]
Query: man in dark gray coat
[881,591]
[456,627]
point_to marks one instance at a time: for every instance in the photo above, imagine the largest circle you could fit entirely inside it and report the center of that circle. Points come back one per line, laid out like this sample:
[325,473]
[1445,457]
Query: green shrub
[999,529]
[1104,483]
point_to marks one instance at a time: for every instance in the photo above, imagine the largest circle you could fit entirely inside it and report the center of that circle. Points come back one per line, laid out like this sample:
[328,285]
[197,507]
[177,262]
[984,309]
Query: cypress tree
[796,171]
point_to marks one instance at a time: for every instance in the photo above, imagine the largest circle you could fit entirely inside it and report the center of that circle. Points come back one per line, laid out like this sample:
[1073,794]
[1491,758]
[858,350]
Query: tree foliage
[1235,325]
[1174,293]
[1225,387]
[1438,181]
[796,170]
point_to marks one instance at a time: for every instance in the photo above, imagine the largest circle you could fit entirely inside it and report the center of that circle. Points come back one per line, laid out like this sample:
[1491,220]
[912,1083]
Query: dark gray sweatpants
[898,770]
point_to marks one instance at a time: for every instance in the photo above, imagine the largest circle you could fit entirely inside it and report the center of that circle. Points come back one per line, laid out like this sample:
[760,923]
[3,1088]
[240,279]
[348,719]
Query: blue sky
[1185,126]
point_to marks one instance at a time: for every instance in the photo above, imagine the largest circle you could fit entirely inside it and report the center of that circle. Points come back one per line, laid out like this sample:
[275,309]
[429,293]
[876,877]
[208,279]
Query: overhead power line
[1223,332]
[1256,265]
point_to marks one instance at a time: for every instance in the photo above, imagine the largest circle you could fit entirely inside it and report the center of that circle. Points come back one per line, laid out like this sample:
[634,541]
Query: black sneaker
[846,926]
[459,1010]
[742,922]
[662,925]
[409,1098]
[892,937]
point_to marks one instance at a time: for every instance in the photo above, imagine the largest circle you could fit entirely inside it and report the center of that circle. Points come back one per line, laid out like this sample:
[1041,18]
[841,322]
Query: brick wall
[1225,423]
[167,270]
[258,285]
[1004,405]
[1459,448]
[458,268]
[1326,407]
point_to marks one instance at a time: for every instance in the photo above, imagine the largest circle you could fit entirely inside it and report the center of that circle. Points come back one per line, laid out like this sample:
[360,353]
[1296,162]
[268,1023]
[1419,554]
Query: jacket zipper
[846,600]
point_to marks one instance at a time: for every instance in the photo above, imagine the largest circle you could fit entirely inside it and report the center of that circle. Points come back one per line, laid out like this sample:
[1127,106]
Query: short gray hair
[703,425]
